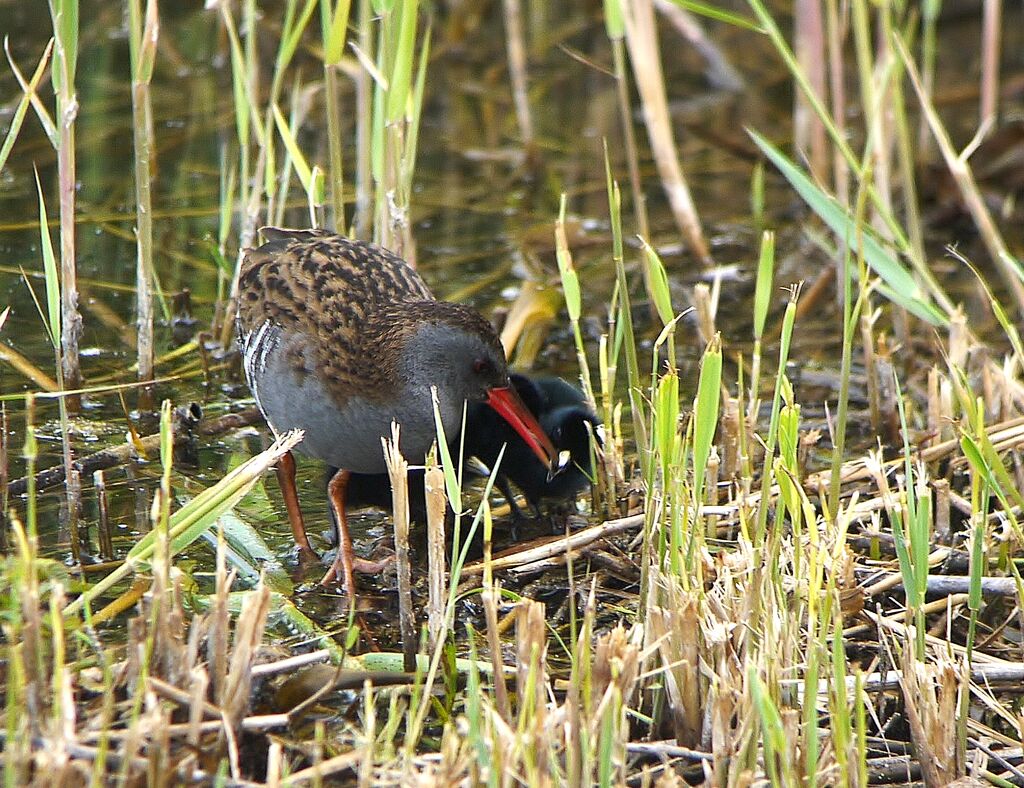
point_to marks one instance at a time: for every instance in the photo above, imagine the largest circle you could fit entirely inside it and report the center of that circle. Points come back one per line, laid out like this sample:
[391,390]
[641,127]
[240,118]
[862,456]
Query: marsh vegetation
[777,247]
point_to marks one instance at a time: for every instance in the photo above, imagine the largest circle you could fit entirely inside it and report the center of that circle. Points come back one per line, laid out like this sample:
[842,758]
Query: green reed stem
[625,312]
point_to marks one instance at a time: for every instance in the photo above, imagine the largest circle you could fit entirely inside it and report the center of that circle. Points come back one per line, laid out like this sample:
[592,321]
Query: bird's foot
[365,566]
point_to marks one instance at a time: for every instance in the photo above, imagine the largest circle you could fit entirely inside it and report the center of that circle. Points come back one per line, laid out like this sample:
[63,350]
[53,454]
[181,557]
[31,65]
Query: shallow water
[480,216]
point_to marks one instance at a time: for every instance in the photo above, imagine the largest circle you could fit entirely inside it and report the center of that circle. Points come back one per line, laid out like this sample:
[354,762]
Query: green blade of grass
[336,29]
[705,413]
[719,14]
[189,522]
[762,289]
[898,284]
[400,78]
[657,280]
[299,163]
[50,268]
[22,108]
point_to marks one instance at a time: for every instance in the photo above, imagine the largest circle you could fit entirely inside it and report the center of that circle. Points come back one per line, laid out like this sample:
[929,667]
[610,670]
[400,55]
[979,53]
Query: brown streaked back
[334,304]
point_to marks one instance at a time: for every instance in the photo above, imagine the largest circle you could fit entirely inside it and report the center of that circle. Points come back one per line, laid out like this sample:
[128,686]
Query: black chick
[562,411]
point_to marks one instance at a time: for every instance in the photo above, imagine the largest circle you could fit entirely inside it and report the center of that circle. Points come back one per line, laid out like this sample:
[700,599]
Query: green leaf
[334,36]
[762,291]
[50,269]
[719,15]
[249,553]
[898,284]
[400,78]
[299,163]
[613,22]
[570,279]
[23,104]
[661,294]
[705,412]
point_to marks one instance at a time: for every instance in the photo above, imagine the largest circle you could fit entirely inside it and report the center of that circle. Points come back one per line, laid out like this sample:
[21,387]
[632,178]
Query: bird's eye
[482,366]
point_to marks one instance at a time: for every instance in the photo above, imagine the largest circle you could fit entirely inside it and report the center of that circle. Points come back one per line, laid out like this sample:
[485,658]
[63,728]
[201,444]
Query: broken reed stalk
[489,598]
[642,41]
[64,16]
[516,47]
[143,33]
[398,472]
[53,320]
[531,676]
[437,590]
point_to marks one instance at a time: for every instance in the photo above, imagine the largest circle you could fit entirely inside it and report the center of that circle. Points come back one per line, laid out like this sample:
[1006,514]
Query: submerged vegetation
[798,327]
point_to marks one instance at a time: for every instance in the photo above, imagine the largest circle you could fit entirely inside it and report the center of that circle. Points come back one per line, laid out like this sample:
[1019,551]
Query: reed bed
[755,593]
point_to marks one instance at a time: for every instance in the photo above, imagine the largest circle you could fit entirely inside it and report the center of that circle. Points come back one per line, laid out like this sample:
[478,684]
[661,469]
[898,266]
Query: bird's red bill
[510,407]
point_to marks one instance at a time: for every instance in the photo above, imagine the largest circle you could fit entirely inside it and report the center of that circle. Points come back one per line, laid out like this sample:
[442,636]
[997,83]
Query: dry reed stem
[992,17]
[558,545]
[143,138]
[674,631]
[930,696]
[398,472]
[363,220]
[532,680]
[291,664]
[704,308]
[22,365]
[616,667]
[314,774]
[809,49]
[248,636]
[489,598]
[71,319]
[513,13]
[437,587]
[369,735]
[644,53]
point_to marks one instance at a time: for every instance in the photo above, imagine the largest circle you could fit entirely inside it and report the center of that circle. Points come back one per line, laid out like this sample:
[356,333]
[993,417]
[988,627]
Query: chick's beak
[510,407]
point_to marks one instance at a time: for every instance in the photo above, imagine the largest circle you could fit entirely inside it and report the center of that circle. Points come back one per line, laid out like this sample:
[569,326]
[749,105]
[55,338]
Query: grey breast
[346,435]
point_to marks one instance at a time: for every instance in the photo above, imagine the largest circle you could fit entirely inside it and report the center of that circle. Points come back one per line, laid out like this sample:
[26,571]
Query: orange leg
[286,479]
[345,560]
[345,555]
